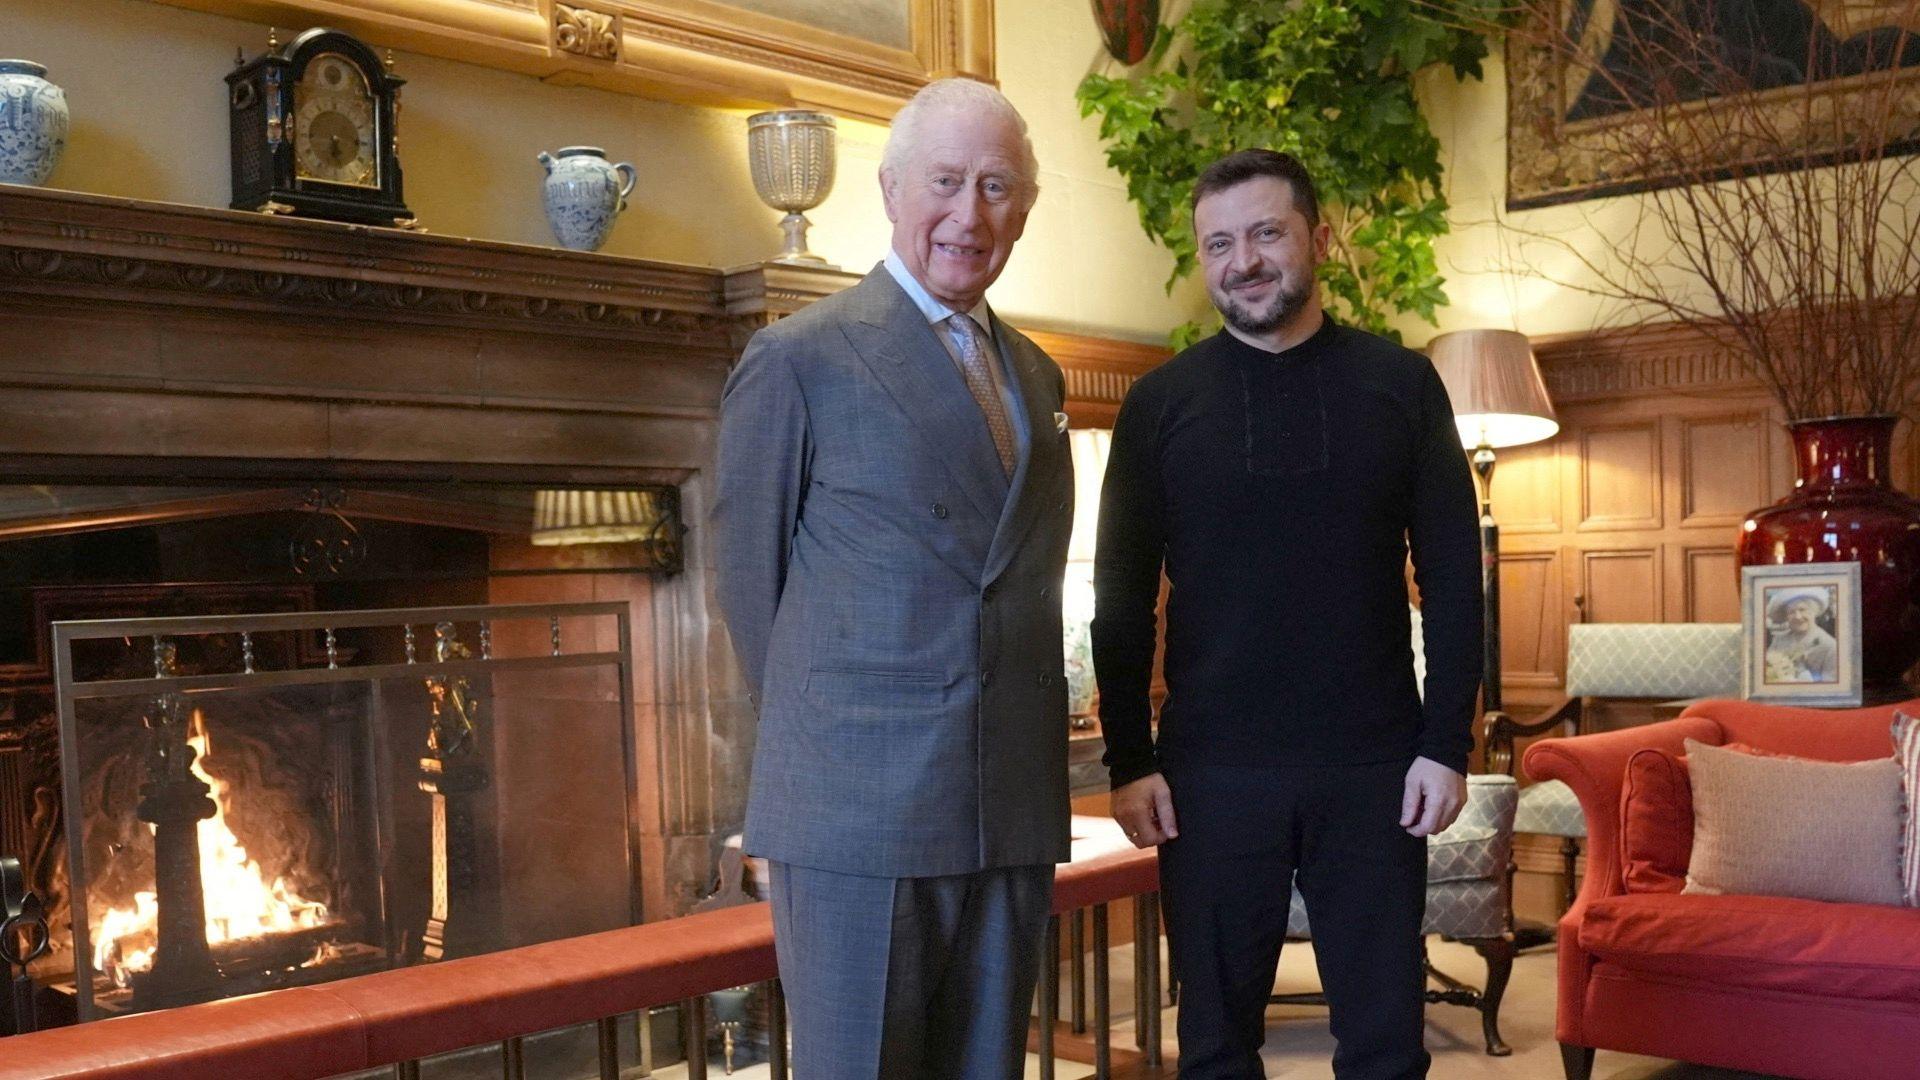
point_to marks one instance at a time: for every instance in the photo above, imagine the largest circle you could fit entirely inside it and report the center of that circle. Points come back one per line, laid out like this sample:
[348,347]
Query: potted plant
[1328,81]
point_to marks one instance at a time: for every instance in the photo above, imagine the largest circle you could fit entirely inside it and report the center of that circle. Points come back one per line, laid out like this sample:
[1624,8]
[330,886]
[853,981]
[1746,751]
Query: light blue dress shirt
[938,313]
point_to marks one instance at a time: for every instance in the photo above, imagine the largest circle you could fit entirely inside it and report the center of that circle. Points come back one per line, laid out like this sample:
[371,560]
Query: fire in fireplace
[249,919]
[401,797]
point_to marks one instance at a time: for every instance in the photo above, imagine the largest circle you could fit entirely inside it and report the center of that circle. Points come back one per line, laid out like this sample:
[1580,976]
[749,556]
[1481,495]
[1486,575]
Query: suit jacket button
[986,677]
[940,511]
[1046,679]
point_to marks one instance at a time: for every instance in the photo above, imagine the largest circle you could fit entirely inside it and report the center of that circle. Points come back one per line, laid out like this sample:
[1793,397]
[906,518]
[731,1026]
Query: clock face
[335,126]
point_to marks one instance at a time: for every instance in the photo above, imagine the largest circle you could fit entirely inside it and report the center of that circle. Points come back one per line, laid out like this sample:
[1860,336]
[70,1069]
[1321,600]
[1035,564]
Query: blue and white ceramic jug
[33,123]
[584,193]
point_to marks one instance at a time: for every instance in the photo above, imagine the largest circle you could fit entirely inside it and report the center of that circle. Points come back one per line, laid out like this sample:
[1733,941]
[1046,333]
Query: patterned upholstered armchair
[1668,662]
[1467,901]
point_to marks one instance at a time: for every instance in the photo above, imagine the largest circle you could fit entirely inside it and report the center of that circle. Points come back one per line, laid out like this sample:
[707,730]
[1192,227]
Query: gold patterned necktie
[973,361]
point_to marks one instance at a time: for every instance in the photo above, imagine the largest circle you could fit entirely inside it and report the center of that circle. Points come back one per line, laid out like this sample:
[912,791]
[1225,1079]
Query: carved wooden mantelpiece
[144,330]
[93,247]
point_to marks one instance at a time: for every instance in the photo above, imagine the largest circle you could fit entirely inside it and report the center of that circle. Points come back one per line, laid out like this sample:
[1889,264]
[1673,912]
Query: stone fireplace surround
[147,342]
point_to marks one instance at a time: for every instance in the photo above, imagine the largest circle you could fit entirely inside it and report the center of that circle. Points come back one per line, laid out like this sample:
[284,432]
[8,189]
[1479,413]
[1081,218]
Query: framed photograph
[1801,633]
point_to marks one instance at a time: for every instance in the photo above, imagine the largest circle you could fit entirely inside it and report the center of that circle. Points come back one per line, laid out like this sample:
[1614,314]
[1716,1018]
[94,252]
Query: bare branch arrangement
[1783,192]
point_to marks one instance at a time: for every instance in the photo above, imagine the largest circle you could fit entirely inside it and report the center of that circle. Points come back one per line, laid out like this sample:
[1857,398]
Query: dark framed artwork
[1576,91]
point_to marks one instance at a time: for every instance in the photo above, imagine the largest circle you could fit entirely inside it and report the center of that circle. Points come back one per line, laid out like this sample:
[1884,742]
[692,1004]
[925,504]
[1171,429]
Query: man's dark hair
[1243,165]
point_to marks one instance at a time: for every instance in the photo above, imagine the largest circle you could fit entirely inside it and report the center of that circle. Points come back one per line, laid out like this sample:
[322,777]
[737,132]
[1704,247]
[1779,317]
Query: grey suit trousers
[923,978]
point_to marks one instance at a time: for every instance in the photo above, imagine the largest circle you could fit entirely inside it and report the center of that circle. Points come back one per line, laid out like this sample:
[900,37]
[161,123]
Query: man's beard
[1286,303]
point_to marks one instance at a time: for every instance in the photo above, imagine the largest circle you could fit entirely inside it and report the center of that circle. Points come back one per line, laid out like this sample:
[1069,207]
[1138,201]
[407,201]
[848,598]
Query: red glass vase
[1844,509]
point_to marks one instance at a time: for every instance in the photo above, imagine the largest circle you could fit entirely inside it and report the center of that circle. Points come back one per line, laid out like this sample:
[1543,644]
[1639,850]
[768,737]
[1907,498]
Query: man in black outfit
[1281,470]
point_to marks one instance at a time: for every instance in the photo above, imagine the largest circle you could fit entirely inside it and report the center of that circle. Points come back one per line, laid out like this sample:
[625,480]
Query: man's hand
[1433,797]
[1144,809]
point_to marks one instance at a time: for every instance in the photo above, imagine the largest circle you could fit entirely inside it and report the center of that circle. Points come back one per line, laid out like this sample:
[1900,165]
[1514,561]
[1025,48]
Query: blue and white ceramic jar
[584,193]
[33,123]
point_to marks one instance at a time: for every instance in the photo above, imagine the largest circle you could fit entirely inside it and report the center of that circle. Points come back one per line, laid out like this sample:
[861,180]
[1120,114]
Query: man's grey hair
[960,95]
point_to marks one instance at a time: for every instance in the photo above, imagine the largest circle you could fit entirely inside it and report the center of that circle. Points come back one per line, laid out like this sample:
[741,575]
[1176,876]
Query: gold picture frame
[707,52]
[1565,124]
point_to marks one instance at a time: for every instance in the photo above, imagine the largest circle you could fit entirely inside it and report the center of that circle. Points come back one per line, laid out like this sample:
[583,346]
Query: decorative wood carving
[89,247]
[704,51]
[1099,372]
[1636,363]
[586,32]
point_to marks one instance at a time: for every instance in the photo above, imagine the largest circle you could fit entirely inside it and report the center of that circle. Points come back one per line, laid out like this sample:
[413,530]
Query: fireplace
[314,793]
[187,392]
[282,799]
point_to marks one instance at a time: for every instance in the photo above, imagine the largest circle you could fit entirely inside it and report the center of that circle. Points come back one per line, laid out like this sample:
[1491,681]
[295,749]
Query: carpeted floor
[1299,1046]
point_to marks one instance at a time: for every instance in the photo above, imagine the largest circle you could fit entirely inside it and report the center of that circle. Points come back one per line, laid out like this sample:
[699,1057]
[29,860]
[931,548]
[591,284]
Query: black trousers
[1247,834]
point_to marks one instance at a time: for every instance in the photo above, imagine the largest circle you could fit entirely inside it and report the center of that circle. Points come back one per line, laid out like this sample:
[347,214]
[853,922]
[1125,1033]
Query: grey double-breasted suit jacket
[893,598]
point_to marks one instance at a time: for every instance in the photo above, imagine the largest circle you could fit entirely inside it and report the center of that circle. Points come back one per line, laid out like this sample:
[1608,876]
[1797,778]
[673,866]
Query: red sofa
[1789,987]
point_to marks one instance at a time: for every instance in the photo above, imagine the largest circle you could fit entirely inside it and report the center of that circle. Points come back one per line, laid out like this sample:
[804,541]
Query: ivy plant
[1328,81]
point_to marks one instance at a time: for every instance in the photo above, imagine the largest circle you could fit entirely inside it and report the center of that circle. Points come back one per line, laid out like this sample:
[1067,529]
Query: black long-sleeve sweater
[1283,492]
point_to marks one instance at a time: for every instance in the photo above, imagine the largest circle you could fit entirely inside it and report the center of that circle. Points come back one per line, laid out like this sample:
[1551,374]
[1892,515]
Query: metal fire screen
[260,801]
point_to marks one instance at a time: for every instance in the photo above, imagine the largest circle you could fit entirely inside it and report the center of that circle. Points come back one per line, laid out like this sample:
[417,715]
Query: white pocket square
[1060,422]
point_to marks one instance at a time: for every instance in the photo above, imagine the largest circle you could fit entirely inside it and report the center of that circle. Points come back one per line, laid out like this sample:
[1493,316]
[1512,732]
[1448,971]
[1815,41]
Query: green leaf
[1329,81]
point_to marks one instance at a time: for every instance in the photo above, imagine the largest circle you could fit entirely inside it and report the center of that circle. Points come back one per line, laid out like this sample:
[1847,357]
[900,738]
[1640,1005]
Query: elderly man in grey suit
[891,525]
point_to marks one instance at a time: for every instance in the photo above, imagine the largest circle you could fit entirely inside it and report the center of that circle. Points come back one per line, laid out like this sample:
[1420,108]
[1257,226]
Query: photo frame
[1800,634]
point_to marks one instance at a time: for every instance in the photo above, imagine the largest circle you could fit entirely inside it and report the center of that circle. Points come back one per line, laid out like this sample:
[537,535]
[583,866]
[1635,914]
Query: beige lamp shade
[1090,446]
[1499,398]
[595,517]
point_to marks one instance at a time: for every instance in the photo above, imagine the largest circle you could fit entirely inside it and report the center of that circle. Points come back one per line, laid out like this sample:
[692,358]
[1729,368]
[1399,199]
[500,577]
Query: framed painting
[1800,633]
[1583,75]
[858,58]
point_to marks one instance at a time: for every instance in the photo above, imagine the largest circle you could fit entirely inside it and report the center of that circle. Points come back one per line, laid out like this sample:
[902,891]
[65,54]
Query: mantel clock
[313,131]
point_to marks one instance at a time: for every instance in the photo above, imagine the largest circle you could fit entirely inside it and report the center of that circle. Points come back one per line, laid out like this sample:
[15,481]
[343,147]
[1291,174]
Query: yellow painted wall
[149,121]
[1498,276]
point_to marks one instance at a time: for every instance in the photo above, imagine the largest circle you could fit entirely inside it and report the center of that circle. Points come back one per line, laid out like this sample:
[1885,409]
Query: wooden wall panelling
[1620,477]
[1651,492]
[1704,584]
[1532,629]
[1527,490]
[1906,457]
[1619,585]
[1723,466]
[1098,371]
